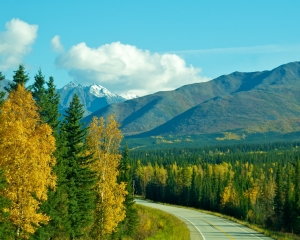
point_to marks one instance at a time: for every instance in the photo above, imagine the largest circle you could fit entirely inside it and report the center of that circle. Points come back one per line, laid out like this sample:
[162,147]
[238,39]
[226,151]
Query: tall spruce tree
[20,77]
[39,92]
[57,204]
[80,179]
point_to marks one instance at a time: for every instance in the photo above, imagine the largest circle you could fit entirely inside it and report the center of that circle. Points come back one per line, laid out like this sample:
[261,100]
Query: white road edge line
[192,224]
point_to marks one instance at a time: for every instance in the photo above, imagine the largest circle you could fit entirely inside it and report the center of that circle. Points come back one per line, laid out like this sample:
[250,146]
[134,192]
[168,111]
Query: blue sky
[146,46]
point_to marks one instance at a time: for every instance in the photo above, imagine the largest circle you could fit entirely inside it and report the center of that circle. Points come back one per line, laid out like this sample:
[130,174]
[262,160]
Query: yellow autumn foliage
[104,139]
[26,148]
[160,175]
[229,195]
[144,174]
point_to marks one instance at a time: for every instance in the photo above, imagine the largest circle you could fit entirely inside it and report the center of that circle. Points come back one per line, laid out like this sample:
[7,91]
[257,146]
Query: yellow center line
[220,229]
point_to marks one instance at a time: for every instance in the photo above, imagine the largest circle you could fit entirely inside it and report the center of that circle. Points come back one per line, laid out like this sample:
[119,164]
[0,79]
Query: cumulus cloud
[16,42]
[124,68]
[56,44]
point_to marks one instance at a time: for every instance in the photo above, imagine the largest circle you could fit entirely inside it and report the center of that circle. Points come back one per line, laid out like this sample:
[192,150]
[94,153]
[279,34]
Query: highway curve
[208,227]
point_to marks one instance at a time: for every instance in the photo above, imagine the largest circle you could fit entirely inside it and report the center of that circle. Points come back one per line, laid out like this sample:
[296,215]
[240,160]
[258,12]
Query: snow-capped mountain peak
[92,97]
[100,91]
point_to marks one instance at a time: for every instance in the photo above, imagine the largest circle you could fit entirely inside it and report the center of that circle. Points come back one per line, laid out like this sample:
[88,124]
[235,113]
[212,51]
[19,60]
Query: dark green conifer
[20,77]
[194,192]
[39,93]
[79,177]
[279,198]
[288,213]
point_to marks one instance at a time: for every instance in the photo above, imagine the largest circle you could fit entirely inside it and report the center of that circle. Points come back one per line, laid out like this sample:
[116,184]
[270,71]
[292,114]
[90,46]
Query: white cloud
[56,44]
[16,42]
[124,68]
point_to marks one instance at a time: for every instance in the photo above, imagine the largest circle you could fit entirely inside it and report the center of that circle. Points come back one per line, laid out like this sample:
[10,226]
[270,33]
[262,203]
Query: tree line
[258,183]
[58,178]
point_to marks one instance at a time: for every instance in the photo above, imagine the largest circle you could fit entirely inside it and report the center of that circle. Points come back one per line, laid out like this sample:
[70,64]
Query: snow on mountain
[92,97]
[100,91]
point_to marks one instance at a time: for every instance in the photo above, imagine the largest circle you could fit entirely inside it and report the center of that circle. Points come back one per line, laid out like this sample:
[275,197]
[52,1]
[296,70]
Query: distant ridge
[253,102]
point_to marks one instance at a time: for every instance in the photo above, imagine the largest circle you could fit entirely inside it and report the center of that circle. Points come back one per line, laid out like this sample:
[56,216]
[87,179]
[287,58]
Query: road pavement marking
[191,223]
[220,229]
[244,230]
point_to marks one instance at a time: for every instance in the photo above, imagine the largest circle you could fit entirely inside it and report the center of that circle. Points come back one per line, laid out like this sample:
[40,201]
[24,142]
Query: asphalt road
[208,227]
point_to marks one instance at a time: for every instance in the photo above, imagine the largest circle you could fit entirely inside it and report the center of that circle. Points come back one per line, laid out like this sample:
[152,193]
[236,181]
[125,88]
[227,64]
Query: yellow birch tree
[104,140]
[144,175]
[26,146]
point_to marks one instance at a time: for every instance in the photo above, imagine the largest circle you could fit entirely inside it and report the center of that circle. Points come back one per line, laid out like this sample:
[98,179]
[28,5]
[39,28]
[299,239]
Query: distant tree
[296,221]
[20,77]
[288,213]
[279,198]
[143,176]
[26,150]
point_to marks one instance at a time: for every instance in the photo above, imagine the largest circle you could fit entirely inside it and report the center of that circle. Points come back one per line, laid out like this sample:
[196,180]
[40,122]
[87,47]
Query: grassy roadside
[158,225]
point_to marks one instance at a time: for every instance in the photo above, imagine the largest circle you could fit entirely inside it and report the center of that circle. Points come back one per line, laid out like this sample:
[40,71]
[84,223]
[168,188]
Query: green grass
[158,225]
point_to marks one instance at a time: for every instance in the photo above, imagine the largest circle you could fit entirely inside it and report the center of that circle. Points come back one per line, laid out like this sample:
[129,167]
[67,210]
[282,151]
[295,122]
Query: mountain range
[254,102]
[234,106]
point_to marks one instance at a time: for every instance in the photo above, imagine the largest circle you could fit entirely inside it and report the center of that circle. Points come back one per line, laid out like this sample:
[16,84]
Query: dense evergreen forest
[259,183]
[58,178]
